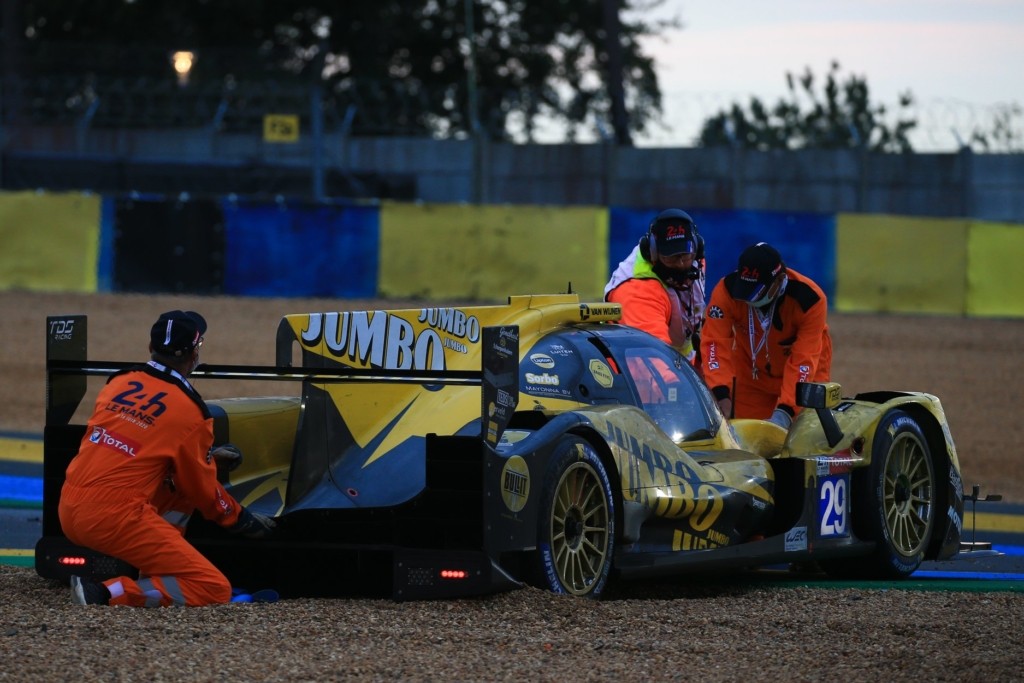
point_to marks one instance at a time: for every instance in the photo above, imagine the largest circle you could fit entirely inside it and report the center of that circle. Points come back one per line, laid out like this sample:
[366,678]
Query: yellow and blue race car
[441,452]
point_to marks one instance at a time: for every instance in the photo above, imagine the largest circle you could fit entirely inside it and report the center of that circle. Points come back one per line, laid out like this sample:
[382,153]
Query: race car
[443,452]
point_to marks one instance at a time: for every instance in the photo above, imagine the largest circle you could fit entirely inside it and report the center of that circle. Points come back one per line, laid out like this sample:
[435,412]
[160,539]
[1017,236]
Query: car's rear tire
[576,528]
[894,502]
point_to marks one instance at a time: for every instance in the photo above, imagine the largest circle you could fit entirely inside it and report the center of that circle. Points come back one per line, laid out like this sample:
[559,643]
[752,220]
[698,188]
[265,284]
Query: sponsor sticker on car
[542,360]
[515,483]
[796,538]
[601,373]
[834,506]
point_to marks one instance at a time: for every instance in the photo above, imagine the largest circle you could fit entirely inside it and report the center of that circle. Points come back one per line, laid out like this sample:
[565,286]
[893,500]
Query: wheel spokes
[579,528]
[907,495]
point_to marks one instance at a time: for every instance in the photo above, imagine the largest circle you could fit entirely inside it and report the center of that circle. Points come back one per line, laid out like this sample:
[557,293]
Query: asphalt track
[998,523]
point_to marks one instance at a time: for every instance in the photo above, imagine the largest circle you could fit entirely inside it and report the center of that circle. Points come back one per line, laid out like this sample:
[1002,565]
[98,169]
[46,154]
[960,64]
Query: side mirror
[811,395]
[822,398]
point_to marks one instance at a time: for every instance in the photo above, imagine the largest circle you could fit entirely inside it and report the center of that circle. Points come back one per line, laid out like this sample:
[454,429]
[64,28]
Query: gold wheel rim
[908,495]
[579,528]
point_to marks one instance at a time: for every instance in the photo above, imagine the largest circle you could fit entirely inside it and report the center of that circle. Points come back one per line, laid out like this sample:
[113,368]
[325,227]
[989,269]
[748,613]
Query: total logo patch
[837,463]
[515,483]
[715,312]
[114,441]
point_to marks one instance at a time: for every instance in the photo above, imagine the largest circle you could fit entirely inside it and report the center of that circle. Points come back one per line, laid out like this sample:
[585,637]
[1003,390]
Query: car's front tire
[577,523]
[894,502]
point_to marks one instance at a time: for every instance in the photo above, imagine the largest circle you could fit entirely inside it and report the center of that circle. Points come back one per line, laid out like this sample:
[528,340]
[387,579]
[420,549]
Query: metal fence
[148,132]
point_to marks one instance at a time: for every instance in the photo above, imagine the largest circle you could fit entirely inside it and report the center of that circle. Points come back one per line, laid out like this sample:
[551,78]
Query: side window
[669,393]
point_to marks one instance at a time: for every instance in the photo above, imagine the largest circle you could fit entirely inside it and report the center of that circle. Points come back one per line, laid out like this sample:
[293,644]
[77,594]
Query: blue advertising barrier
[807,241]
[301,250]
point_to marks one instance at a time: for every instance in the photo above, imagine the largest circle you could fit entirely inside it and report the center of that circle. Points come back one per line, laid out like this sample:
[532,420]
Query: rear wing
[68,367]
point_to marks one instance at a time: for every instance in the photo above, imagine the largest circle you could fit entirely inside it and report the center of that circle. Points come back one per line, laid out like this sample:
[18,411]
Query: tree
[408,67]
[1005,134]
[842,116]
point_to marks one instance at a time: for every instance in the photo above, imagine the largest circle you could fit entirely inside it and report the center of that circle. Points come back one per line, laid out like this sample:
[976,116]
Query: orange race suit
[789,339]
[672,315]
[145,457]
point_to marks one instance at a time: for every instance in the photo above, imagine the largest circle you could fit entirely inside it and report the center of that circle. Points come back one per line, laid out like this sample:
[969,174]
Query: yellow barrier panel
[21,450]
[486,253]
[50,241]
[898,264]
[995,279]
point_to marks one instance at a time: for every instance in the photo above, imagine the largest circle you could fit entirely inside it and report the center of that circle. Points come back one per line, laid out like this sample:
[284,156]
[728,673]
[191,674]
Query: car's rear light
[58,558]
[421,574]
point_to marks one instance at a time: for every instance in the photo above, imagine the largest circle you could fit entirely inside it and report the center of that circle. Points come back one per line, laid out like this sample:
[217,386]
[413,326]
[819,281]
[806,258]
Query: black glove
[227,457]
[253,524]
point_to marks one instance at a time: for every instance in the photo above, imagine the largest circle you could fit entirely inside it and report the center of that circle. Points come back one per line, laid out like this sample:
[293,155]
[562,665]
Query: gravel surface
[659,631]
[668,631]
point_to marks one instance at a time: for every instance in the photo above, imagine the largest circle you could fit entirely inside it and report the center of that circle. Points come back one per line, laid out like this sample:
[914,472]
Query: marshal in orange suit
[145,456]
[765,330]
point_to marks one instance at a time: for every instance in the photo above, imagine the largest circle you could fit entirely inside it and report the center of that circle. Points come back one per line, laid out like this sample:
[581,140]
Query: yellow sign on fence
[280,128]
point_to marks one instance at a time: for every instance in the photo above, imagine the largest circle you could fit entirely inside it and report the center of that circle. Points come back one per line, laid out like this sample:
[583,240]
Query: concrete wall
[963,185]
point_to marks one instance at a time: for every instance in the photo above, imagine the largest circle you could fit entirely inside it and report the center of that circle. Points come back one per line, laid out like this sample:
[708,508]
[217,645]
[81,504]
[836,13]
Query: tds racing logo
[62,330]
[114,441]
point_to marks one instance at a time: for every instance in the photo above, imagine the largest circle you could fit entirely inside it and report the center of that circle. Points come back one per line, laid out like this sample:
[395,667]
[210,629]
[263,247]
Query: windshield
[670,392]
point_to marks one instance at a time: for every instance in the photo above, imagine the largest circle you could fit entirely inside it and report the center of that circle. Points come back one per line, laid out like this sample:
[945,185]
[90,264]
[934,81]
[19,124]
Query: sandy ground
[975,366]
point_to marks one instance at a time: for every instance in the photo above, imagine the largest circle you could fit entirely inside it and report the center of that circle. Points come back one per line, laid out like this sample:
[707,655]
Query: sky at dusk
[960,59]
